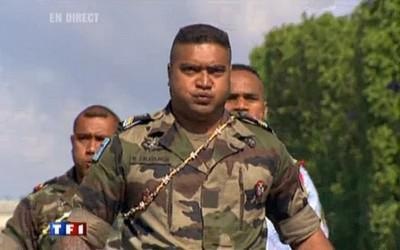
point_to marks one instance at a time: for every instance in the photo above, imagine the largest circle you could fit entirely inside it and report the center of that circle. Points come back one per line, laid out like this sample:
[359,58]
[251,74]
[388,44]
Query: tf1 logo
[66,228]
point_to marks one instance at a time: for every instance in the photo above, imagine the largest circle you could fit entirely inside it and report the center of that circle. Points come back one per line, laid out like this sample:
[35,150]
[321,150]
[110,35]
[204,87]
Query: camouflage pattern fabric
[35,211]
[273,241]
[219,200]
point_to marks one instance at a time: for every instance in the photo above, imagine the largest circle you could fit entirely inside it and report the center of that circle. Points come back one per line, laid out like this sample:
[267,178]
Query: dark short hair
[198,34]
[239,66]
[96,111]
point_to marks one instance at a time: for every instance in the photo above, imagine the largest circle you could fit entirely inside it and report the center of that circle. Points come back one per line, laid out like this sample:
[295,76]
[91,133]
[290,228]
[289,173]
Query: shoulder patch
[38,187]
[101,149]
[244,117]
[134,120]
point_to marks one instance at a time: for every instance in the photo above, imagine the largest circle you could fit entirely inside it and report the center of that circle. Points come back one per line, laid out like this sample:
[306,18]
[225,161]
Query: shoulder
[252,122]
[257,128]
[132,132]
[51,188]
[135,128]
[134,121]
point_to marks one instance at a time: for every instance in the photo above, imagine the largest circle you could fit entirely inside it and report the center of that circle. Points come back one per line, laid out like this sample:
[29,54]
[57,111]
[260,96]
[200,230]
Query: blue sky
[50,71]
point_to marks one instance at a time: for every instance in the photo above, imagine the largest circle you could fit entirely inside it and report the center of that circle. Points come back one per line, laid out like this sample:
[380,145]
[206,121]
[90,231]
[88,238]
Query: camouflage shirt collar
[164,121]
[240,130]
[70,176]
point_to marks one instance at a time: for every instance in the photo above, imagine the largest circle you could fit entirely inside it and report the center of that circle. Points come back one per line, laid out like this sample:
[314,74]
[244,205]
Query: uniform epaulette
[134,120]
[243,116]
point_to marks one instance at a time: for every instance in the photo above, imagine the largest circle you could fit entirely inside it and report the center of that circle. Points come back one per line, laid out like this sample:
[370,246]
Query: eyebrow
[198,67]
[251,95]
[244,94]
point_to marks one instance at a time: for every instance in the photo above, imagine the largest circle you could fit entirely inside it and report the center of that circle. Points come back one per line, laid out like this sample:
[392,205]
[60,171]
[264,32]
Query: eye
[252,97]
[190,69]
[232,97]
[216,70]
[100,138]
[83,138]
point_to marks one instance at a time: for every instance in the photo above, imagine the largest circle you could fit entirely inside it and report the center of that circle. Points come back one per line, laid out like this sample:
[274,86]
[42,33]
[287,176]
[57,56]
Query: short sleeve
[287,205]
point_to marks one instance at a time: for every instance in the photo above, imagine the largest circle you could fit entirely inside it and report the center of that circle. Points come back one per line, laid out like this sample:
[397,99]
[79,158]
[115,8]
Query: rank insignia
[259,189]
[135,120]
[128,122]
[101,149]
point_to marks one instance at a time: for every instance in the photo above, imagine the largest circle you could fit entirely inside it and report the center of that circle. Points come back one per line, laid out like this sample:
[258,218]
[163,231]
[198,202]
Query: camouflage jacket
[220,199]
[34,212]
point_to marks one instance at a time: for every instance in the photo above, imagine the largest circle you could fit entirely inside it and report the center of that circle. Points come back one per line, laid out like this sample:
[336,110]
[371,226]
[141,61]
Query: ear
[169,70]
[72,139]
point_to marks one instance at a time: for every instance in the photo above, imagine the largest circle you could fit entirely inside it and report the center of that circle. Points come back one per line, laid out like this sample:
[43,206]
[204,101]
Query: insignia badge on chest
[259,189]
[250,142]
[151,143]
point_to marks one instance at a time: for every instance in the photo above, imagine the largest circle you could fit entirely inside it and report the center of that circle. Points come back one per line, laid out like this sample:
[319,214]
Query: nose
[91,147]
[204,80]
[241,105]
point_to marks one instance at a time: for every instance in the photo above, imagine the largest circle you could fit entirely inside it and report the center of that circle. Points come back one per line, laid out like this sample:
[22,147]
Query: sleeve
[287,205]
[100,195]
[313,199]
[20,232]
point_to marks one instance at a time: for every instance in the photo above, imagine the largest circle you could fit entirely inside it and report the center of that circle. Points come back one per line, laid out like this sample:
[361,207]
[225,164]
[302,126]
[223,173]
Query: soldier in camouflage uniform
[247,95]
[27,229]
[192,176]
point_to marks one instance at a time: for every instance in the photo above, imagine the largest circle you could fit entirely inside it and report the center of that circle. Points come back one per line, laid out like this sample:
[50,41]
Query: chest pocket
[147,168]
[255,182]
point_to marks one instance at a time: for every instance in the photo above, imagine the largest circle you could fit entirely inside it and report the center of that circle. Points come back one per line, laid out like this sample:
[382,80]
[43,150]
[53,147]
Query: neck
[76,176]
[200,126]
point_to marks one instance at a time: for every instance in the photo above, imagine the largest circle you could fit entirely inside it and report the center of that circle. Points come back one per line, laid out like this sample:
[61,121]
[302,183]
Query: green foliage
[331,89]
[380,46]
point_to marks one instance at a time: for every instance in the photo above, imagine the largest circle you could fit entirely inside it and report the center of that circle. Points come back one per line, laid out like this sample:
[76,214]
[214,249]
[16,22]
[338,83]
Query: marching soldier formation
[191,176]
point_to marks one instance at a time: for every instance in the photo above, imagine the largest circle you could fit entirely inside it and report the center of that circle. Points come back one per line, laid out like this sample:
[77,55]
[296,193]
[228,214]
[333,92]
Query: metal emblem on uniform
[100,151]
[151,143]
[146,195]
[259,189]
[250,142]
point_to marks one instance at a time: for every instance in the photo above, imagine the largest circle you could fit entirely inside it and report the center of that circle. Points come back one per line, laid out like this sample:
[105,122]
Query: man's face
[247,94]
[88,135]
[199,79]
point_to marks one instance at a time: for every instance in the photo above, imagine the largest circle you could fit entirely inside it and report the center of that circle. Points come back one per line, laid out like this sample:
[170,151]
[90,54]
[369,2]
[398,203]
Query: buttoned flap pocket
[257,181]
[145,174]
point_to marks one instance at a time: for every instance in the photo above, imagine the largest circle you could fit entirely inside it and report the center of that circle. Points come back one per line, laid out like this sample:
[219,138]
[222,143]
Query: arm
[287,206]
[316,241]
[313,199]
[8,242]
[99,197]
[20,232]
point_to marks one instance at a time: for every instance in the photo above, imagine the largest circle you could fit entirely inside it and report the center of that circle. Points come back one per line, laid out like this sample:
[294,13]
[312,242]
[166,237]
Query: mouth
[202,98]
[88,164]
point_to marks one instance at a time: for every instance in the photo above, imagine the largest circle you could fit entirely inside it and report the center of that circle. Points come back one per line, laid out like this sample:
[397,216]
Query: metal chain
[148,197]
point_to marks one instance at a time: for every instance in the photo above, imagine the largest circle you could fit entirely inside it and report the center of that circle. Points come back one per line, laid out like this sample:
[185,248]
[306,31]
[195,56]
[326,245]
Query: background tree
[379,41]
[326,101]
